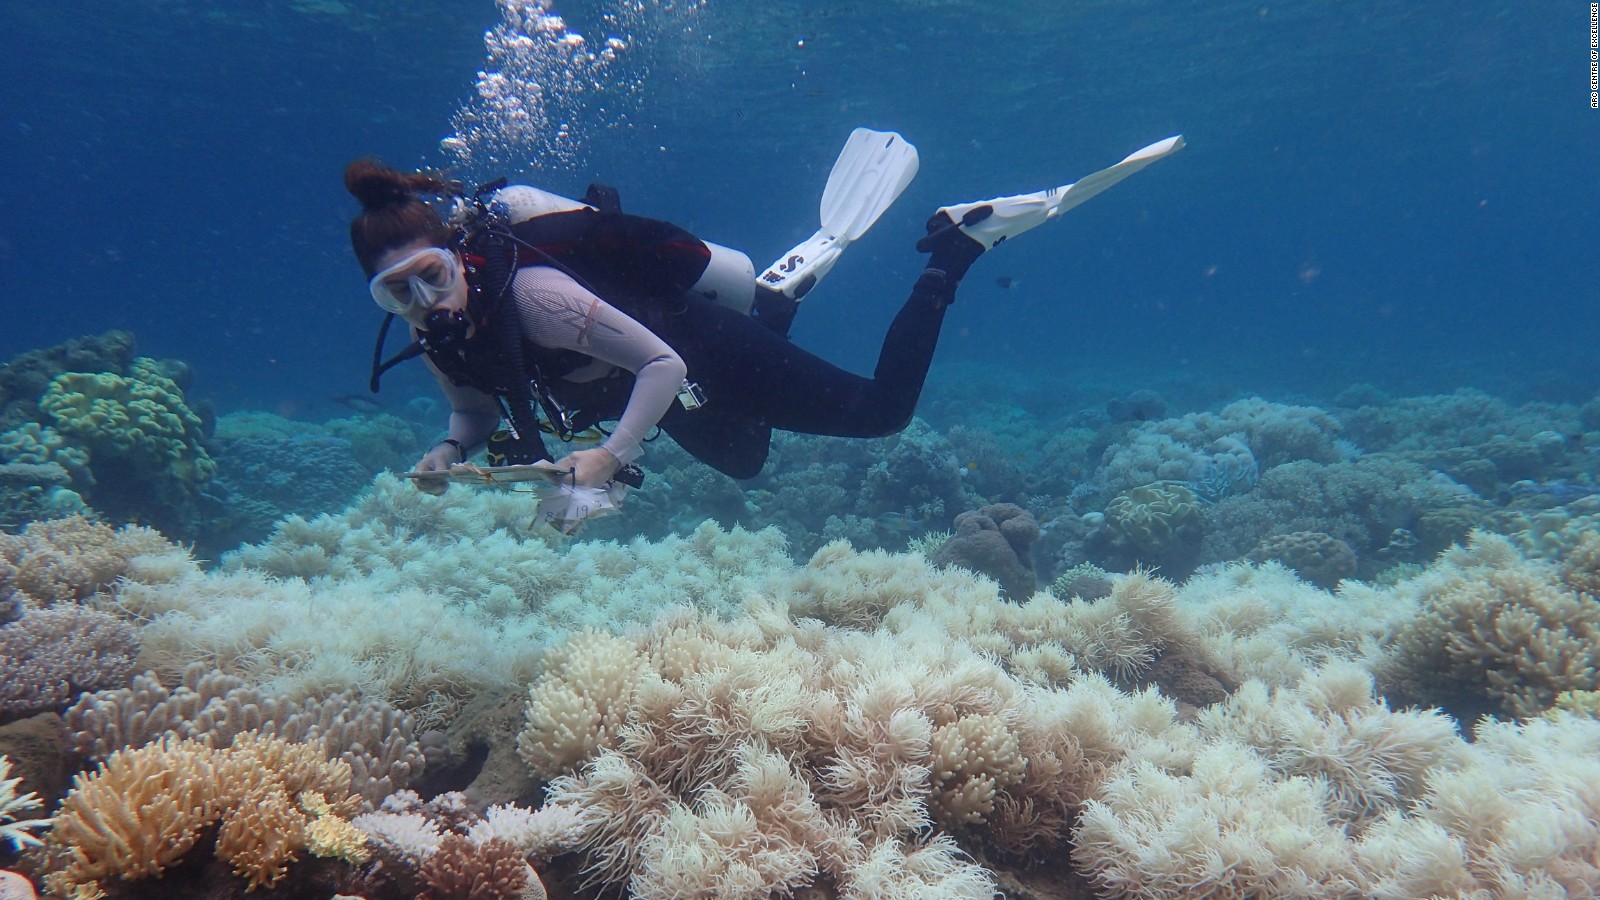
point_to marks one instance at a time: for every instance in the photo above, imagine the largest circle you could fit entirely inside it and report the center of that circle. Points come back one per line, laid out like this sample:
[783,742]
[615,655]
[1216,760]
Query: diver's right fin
[872,170]
[991,221]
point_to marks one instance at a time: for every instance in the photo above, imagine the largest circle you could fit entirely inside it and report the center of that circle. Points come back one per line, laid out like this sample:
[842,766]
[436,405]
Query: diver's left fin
[872,170]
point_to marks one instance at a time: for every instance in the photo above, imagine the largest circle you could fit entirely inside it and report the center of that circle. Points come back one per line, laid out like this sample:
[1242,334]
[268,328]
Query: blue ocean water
[1403,194]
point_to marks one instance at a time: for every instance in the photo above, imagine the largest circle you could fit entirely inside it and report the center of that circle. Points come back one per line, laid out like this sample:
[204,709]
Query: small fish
[1004,282]
[900,523]
[358,403]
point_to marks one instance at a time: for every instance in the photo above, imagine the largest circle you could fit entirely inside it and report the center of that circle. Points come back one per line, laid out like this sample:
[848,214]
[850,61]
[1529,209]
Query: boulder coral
[996,541]
[1316,556]
[145,443]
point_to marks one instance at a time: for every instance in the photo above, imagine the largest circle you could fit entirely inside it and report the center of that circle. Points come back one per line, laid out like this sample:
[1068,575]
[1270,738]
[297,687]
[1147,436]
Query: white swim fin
[872,170]
[991,221]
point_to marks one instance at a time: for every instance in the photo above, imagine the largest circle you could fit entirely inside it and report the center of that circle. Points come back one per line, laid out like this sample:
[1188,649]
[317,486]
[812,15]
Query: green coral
[1157,518]
[140,418]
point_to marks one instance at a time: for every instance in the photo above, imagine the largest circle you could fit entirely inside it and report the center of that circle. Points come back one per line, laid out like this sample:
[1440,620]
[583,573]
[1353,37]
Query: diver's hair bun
[377,185]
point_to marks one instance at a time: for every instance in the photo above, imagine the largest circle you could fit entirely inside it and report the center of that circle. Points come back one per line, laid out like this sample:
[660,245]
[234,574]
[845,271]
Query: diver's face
[417,278]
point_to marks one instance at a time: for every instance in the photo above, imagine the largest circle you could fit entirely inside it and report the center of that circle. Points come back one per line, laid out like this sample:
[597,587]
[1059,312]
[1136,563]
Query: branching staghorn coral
[1499,628]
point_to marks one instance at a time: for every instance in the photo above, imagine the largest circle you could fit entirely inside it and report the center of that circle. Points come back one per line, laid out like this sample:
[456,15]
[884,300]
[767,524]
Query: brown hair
[393,213]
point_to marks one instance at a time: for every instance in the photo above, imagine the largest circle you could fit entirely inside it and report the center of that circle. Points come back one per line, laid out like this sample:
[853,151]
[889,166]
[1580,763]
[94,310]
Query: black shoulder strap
[603,197]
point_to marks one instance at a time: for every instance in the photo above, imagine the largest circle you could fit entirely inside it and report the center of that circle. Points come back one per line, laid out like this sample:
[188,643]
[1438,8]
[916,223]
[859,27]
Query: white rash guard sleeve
[473,414]
[560,314]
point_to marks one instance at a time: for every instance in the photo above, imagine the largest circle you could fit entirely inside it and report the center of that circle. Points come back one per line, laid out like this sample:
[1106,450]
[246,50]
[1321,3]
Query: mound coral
[141,418]
[997,541]
[145,443]
[1316,556]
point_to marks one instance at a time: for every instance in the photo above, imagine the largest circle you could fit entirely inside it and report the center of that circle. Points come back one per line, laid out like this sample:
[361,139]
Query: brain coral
[1157,524]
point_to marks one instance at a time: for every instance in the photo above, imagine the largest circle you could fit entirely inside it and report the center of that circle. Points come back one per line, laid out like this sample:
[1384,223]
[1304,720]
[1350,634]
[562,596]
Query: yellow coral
[140,812]
[143,809]
[329,835]
[262,835]
[141,417]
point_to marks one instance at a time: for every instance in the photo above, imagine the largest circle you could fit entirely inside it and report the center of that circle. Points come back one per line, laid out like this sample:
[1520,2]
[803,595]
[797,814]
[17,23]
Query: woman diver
[530,303]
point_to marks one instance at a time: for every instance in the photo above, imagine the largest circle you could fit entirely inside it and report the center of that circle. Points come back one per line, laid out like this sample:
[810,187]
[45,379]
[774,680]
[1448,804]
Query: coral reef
[1379,505]
[708,718]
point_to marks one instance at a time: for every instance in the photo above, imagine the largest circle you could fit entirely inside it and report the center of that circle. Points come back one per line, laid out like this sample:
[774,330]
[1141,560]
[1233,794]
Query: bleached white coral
[538,833]
[13,806]
[1330,726]
[578,704]
[411,835]
[937,868]
[1227,827]
[1520,817]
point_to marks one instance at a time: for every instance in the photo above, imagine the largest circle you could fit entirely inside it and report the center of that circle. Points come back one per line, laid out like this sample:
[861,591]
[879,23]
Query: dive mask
[419,281]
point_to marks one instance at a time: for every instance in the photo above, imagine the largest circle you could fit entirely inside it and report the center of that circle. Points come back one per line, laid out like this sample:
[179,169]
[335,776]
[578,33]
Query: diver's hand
[439,459]
[593,467]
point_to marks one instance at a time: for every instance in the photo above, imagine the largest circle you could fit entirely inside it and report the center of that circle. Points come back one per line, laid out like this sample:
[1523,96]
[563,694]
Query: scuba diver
[526,303]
